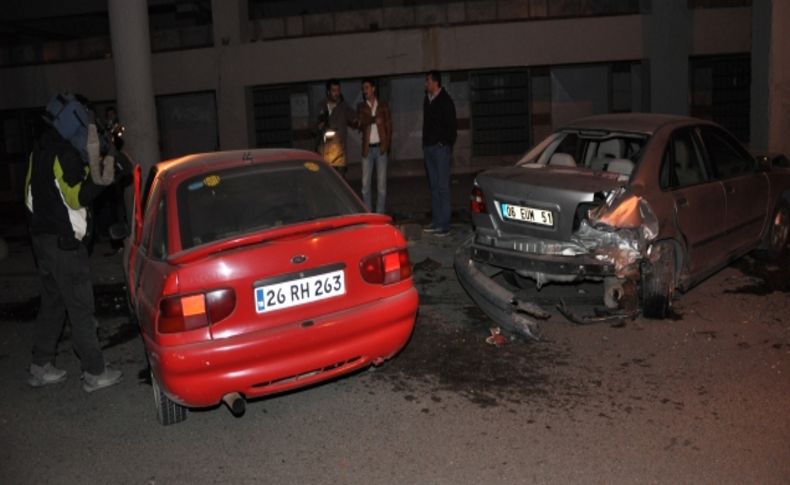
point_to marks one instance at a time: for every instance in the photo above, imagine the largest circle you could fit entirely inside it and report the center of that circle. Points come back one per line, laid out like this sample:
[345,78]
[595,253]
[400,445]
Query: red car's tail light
[220,304]
[188,312]
[477,201]
[386,267]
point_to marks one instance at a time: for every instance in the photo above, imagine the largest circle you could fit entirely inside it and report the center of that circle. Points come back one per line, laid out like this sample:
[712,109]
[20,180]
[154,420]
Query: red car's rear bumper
[284,358]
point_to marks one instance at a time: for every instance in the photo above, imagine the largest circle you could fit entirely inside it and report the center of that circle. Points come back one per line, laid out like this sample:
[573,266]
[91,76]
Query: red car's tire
[167,411]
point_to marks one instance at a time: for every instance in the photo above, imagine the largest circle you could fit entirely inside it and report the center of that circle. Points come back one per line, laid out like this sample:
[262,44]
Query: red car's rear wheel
[167,411]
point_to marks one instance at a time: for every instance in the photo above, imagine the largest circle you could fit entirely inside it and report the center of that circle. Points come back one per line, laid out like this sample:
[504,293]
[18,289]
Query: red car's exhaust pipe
[235,403]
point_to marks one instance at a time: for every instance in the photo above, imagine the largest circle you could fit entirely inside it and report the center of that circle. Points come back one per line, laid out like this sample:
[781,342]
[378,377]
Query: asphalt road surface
[700,398]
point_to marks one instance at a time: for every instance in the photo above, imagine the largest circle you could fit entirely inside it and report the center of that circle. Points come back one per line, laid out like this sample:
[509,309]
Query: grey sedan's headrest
[612,148]
[562,160]
[623,166]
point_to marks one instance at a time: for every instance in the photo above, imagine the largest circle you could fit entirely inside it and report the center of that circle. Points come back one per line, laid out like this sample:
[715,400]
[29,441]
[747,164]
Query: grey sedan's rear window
[595,150]
[226,203]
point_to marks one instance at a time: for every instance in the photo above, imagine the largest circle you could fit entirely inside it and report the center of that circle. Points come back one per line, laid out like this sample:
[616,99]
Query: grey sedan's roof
[646,123]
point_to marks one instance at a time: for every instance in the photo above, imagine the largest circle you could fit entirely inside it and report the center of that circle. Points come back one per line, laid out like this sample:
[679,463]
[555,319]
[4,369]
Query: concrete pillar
[667,39]
[131,48]
[770,90]
[231,20]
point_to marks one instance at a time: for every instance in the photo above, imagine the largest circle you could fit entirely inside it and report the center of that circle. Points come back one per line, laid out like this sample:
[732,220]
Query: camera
[110,136]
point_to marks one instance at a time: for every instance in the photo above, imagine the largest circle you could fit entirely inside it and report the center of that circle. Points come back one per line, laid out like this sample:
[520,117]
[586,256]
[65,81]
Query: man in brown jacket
[376,126]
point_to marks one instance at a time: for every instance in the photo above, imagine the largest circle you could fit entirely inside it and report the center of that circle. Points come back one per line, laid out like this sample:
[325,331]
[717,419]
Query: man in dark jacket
[65,173]
[438,137]
[334,118]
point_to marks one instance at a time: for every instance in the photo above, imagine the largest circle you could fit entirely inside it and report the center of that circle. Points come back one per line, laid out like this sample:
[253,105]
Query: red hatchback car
[256,272]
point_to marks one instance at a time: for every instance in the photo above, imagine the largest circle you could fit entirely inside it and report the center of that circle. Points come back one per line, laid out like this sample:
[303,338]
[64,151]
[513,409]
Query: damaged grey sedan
[645,204]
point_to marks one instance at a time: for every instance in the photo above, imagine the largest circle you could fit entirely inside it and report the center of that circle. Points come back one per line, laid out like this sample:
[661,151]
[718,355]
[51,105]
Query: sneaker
[442,233]
[431,230]
[44,375]
[108,378]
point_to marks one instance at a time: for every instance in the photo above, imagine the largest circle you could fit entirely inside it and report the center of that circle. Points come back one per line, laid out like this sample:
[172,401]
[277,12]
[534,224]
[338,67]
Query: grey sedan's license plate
[299,291]
[527,214]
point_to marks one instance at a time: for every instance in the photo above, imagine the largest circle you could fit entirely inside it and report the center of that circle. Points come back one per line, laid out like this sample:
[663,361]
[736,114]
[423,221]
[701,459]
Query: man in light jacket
[376,124]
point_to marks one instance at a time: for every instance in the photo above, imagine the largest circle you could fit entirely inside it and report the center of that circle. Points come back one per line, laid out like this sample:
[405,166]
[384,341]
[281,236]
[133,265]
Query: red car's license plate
[299,291]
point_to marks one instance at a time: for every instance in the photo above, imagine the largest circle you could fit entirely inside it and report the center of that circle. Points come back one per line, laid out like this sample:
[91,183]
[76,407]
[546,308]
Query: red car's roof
[646,123]
[200,161]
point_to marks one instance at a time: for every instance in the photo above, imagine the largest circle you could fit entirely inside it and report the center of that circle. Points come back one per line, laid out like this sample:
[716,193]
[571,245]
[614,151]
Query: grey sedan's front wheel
[167,411]
[658,281]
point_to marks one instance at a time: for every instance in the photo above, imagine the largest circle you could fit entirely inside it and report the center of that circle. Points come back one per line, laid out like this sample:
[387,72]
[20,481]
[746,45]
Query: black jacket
[438,120]
[58,183]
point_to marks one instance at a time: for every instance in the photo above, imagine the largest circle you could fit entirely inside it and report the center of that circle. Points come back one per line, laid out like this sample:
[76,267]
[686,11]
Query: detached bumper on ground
[499,304]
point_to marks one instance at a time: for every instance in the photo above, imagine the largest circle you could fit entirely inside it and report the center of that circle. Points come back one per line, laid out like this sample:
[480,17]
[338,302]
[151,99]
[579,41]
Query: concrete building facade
[516,69]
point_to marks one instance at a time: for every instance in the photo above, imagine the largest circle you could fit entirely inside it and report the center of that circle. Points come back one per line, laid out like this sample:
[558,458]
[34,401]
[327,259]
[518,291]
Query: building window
[621,88]
[296,18]
[584,90]
[500,112]
[71,31]
[586,8]
[180,24]
[513,109]
[540,90]
[533,8]
[718,3]
[272,108]
[187,123]
[721,92]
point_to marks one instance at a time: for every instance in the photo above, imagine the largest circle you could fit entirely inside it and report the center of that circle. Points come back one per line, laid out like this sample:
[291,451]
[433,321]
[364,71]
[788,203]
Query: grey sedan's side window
[726,156]
[682,165]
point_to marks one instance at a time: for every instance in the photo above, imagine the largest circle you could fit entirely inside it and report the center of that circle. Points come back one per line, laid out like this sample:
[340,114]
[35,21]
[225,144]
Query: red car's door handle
[683,202]
[729,189]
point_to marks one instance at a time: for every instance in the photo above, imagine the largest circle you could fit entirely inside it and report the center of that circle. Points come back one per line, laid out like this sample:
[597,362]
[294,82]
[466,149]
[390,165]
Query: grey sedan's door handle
[683,202]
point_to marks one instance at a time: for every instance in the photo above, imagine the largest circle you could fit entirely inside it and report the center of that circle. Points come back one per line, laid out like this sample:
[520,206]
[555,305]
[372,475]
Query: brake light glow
[477,201]
[181,313]
[386,267]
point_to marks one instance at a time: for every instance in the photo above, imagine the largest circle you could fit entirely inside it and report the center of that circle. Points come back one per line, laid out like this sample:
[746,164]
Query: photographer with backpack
[70,165]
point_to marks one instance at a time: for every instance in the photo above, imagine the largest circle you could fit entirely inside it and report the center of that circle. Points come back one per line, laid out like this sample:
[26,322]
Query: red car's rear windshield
[226,203]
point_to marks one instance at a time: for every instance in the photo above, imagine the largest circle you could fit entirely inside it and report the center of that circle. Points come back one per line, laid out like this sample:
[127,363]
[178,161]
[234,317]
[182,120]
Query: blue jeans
[437,164]
[377,160]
